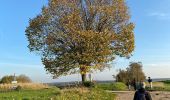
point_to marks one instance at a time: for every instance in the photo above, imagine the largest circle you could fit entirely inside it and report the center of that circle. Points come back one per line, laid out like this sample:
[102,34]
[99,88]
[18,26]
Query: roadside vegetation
[40,94]
[92,91]
[54,93]
[118,86]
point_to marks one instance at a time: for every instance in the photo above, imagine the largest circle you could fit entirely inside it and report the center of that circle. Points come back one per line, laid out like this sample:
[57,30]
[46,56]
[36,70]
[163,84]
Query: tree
[133,72]
[122,76]
[7,79]
[136,72]
[81,35]
[20,79]
[23,79]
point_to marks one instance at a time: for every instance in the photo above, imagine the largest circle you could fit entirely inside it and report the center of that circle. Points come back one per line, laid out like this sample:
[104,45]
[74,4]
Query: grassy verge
[85,94]
[43,94]
[160,86]
[54,93]
[118,86]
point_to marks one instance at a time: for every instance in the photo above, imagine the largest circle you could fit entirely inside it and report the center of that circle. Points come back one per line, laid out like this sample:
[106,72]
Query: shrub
[112,86]
[167,82]
[89,84]
[104,86]
[118,86]
[18,88]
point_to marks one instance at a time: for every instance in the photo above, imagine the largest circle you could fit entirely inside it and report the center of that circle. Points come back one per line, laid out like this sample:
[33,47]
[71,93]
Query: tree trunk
[83,71]
[83,76]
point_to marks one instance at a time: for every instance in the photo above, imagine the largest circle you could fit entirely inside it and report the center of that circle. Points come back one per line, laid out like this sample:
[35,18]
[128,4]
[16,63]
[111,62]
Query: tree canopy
[20,79]
[81,35]
[133,72]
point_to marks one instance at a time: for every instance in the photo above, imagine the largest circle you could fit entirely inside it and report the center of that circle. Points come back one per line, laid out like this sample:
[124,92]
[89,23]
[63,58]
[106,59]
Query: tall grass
[26,86]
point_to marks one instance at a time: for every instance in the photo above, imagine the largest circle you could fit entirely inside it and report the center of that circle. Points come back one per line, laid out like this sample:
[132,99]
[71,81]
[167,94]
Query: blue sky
[152,35]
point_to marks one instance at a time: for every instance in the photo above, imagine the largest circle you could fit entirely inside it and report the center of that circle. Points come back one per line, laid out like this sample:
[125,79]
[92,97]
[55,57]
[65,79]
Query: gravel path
[128,95]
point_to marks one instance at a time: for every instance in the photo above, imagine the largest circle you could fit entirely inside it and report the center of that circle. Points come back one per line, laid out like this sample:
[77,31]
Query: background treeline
[20,79]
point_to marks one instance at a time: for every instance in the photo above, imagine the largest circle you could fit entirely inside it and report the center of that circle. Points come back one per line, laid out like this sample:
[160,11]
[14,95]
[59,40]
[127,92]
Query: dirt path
[126,95]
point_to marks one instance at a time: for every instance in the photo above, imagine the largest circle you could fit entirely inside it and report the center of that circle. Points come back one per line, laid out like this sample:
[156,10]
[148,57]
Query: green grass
[56,94]
[104,86]
[43,94]
[160,86]
[118,86]
[167,85]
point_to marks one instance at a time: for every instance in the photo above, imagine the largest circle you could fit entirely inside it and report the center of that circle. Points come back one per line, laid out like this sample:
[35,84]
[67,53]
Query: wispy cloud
[157,65]
[160,15]
[16,65]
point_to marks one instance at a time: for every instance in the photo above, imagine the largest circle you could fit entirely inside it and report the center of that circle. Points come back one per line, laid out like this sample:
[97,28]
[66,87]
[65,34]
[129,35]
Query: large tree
[81,35]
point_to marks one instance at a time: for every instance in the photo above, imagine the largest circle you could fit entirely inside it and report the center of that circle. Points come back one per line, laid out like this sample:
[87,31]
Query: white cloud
[160,15]
[166,64]
[16,65]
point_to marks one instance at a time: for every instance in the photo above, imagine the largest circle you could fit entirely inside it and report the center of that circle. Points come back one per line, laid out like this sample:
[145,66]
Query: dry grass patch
[32,86]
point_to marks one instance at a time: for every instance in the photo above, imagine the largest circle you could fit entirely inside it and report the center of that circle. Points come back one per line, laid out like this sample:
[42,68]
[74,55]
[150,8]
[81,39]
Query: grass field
[44,92]
[159,86]
[53,93]
[117,86]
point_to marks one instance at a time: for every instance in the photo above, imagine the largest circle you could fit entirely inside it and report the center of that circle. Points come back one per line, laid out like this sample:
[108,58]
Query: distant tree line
[133,73]
[20,79]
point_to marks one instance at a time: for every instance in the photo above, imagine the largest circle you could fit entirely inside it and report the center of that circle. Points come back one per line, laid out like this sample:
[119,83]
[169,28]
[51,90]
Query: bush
[112,86]
[118,86]
[167,82]
[18,88]
[104,86]
[89,84]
